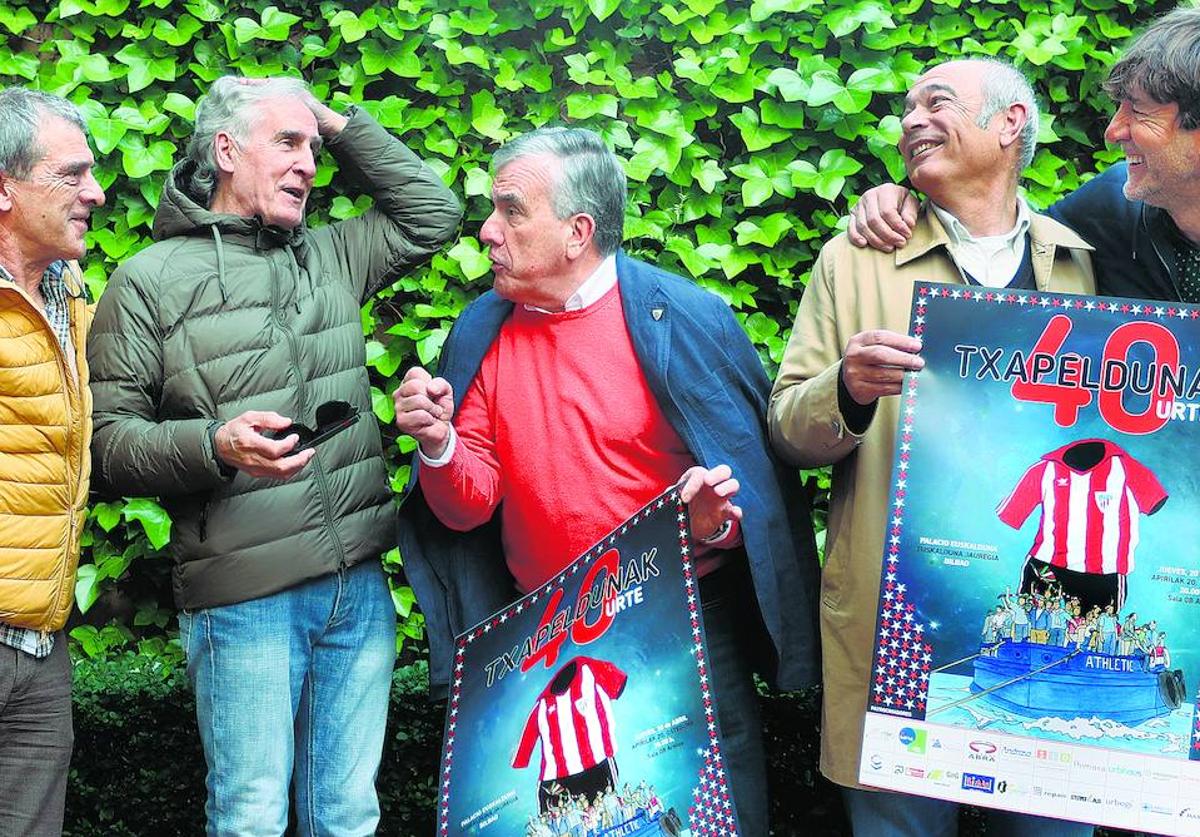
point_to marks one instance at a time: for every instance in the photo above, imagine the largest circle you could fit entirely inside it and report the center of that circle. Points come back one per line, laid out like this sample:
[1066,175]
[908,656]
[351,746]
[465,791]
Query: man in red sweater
[567,427]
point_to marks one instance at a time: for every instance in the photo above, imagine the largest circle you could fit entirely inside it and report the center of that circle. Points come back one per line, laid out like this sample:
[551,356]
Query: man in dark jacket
[1142,216]
[583,385]
[236,323]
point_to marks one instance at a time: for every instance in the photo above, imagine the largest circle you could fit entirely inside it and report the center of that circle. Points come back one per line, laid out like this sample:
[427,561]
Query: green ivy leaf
[382,406]
[108,515]
[477,182]
[87,590]
[603,9]
[755,135]
[139,160]
[272,25]
[429,346]
[180,105]
[785,115]
[350,25]
[827,88]
[154,520]
[760,327]
[832,172]
[106,132]
[791,85]
[486,118]
[765,231]
[653,152]
[16,20]
[472,261]
[586,105]
[177,33]
[206,10]
[868,15]
[760,10]
[144,69]
[707,173]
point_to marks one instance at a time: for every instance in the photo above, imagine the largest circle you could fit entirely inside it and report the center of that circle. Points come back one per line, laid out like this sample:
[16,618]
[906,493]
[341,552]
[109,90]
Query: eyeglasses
[332,418]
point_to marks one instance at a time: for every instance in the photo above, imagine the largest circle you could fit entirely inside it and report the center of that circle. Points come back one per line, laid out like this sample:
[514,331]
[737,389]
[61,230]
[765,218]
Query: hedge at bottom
[138,768]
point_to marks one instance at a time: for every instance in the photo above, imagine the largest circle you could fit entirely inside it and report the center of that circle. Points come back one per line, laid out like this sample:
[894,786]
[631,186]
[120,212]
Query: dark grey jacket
[222,315]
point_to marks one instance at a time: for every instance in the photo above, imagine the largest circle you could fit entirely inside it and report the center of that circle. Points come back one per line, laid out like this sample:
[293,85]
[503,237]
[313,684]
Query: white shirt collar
[591,290]
[960,235]
[990,260]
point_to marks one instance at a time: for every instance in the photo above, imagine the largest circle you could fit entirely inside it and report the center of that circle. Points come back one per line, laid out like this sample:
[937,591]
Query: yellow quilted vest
[45,430]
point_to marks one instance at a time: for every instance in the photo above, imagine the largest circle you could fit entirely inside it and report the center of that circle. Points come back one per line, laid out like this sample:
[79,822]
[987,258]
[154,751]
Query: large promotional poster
[1036,647]
[584,708]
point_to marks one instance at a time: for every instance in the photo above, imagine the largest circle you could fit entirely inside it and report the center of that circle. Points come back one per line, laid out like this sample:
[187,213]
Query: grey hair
[592,181]
[21,112]
[1004,85]
[1164,63]
[229,106]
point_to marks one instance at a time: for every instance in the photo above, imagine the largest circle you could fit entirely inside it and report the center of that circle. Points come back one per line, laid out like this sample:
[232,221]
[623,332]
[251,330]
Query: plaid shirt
[54,290]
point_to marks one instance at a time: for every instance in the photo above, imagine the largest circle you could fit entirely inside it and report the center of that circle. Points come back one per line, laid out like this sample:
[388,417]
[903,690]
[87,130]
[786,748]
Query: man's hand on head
[709,494]
[875,362]
[424,407]
[883,218]
[240,444]
[329,122]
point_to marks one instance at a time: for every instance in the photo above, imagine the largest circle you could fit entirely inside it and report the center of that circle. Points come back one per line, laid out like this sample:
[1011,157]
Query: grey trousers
[35,740]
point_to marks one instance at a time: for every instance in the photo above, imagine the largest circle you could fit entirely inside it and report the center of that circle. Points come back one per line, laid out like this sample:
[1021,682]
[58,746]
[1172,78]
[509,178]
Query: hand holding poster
[585,708]
[1036,648]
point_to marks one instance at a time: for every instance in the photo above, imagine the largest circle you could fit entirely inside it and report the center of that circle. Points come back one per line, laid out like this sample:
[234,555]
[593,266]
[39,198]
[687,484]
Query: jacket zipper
[1158,254]
[301,389]
[1166,267]
[70,386]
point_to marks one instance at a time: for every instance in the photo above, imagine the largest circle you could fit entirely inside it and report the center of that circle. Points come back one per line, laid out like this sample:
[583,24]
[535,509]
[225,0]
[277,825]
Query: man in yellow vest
[47,193]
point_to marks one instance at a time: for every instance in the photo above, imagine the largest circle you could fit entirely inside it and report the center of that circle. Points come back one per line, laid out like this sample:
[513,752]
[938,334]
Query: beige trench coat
[854,290]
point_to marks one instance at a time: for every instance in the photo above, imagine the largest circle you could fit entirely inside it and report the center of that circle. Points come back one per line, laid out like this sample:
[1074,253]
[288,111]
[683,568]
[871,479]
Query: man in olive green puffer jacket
[236,323]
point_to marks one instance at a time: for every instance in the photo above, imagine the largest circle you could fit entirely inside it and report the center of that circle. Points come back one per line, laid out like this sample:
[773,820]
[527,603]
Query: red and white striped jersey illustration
[573,719]
[1091,493]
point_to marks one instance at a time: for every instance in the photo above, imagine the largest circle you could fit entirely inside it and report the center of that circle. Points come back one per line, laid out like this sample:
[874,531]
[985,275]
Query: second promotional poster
[585,708]
[1036,647]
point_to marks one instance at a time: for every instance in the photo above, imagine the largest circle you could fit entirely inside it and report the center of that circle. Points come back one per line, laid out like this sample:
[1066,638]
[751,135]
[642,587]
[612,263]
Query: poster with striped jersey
[1037,647]
[585,708]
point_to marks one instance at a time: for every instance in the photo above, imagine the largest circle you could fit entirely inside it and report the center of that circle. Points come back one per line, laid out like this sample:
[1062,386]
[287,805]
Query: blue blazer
[708,380]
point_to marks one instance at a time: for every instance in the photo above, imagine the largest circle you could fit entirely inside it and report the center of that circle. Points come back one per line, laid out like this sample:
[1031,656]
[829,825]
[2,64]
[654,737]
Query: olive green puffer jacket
[222,315]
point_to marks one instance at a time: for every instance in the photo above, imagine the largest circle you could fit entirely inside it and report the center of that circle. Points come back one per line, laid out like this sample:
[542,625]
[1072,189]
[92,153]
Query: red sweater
[561,431]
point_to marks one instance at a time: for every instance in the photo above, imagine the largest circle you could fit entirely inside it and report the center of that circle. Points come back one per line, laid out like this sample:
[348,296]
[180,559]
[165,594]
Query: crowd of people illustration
[1051,617]
[574,815]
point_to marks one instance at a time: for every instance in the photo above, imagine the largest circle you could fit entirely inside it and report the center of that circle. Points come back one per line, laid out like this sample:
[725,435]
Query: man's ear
[583,229]
[1015,117]
[224,149]
[6,200]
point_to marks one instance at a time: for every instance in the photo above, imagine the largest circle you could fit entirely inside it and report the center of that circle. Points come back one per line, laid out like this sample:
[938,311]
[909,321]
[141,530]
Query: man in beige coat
[968,131]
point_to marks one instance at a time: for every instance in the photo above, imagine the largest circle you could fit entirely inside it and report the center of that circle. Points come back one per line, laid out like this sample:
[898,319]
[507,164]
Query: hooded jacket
[224,314]
[44,436]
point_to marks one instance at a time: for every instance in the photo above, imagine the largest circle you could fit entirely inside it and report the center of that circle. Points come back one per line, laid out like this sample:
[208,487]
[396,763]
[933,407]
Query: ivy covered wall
[746,127]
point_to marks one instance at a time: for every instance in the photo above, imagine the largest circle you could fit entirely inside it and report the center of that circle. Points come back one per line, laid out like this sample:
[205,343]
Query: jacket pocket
[713,407]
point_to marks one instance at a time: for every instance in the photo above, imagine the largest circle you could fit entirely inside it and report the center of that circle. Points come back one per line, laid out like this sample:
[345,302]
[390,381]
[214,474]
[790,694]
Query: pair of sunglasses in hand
[332,418]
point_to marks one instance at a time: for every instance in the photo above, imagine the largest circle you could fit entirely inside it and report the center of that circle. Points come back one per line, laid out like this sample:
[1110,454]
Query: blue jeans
[294,687]
[886,814]
[727,601]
